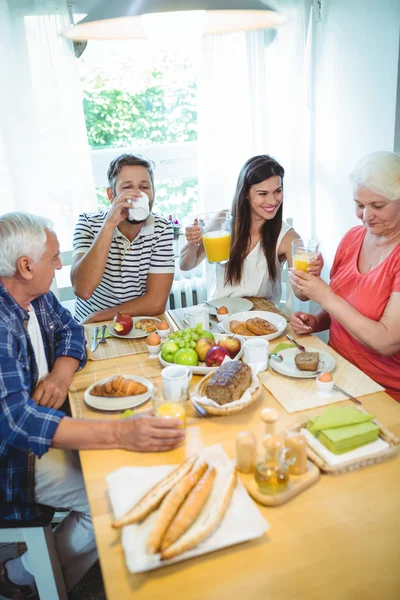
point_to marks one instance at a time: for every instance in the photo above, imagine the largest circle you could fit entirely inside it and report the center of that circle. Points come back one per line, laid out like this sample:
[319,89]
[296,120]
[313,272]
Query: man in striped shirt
[120,264]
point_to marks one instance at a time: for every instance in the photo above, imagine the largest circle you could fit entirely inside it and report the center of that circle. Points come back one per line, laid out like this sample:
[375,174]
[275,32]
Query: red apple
[233,345]
[122,324]
[215,356]
[203,345]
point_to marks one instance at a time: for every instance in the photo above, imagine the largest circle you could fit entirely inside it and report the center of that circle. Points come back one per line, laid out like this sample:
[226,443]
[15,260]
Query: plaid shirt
[27,429]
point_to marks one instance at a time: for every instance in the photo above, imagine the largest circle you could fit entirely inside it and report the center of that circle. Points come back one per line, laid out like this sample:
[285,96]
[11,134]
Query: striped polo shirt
[128,263]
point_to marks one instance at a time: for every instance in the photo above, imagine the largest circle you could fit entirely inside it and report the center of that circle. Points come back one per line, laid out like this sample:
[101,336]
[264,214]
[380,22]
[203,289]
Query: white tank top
[255,276]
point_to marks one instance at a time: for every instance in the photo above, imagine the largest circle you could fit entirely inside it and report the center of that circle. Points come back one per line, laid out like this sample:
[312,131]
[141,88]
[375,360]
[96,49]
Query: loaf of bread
[307,361]
[118,387]
[229,382]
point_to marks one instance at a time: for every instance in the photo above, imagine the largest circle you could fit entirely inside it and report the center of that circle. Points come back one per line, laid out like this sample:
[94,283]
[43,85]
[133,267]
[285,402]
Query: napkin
[337,416]
[334,460]
[282,346]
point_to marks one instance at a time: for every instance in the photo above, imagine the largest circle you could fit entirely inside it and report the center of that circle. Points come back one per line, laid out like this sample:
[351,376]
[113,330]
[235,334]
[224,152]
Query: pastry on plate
[239,328]
[260,326]
[147,325]
[118,387]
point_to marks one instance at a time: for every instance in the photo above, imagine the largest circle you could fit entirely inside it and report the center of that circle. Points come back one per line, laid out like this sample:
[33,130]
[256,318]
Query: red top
[369,293]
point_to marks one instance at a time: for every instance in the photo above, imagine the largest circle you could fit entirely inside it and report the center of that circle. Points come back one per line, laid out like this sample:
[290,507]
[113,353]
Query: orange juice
[300,261]
[217,246]
[172,409]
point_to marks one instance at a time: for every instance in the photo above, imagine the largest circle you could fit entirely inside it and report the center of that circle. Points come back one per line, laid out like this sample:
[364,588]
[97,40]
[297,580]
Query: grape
[181,344]
[199,327]
[193,344]
[195,337]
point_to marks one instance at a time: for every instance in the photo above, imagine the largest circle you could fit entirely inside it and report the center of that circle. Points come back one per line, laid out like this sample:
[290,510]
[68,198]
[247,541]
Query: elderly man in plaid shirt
[41,347]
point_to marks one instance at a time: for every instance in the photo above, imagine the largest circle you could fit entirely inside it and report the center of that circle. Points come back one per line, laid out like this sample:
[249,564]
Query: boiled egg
[222,310]
[162,325]
[153,339]
[325,377]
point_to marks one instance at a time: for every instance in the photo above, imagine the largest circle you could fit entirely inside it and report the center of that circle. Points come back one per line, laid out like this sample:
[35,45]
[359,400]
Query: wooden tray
[225,409]
[297,484]
[351,465]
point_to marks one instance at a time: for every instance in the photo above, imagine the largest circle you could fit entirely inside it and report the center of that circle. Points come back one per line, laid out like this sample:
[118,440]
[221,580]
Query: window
[140,97]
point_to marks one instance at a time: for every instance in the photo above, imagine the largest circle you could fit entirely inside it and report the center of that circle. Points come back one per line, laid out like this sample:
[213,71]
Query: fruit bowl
[201,368]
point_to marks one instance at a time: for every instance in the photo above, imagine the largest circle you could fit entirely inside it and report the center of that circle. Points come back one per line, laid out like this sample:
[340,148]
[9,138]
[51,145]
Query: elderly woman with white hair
[361,305]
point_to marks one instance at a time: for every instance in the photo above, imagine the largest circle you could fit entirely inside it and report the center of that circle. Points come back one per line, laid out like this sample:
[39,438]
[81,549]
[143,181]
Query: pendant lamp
[140,19]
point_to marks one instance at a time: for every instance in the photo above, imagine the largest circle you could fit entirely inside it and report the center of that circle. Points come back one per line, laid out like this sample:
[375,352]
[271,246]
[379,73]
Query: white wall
[356,66]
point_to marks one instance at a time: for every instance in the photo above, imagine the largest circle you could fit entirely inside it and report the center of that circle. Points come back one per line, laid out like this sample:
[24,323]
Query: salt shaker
[246,452]
[270,417]
[297,448]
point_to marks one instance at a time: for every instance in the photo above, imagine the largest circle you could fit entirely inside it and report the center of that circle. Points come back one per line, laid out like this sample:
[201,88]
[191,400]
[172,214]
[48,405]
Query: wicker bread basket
[225,409]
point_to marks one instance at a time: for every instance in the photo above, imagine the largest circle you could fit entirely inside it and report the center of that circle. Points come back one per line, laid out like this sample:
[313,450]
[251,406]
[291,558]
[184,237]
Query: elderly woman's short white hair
[379,172]
[21,234]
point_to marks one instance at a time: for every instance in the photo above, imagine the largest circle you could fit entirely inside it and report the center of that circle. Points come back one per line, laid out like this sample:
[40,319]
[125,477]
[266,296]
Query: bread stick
[206,523]
[153,498]
[171,504]
[190,509]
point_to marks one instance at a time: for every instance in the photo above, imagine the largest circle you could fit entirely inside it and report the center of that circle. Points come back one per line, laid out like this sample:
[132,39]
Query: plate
[234,305]
[109,403]
[277,320]
[288,367]
[135,333]
[202,369]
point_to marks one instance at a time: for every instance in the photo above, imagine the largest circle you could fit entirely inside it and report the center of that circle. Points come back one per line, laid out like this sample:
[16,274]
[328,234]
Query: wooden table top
[340,539]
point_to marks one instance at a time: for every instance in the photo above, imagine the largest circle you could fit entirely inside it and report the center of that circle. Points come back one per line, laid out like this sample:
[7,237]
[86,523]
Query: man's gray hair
[379,172]
[21,234]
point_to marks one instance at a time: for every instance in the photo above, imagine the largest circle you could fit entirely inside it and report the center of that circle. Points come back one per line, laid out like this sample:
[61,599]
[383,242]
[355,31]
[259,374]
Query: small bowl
[222,317]
[153,350]
[163,333]
[325,387]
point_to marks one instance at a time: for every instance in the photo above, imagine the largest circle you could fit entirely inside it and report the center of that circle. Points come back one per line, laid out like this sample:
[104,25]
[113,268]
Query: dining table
[339,539]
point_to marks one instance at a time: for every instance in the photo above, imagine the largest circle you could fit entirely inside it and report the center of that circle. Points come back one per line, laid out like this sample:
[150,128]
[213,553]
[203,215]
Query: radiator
[187,292]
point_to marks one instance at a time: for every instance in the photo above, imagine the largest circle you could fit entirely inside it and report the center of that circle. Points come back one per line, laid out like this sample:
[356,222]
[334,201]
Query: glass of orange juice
[216,233]
[303,251]
[167,408]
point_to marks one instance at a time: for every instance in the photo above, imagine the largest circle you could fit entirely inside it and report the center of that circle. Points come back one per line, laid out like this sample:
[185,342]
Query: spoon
[277,357]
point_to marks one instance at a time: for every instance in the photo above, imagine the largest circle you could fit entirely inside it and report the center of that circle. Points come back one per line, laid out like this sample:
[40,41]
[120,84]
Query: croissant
[240,328]
[117,386]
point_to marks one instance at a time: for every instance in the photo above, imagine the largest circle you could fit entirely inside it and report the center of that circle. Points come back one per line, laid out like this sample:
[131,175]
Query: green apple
[208,334]
[168,351]
[186,356]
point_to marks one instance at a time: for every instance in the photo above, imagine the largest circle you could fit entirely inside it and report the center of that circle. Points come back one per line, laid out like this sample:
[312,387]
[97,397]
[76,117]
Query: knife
[300,347]
[95,343]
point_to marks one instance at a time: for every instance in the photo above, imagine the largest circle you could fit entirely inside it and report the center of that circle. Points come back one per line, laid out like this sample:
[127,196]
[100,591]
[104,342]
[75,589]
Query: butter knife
[336,387]
[95,343]
[300,347]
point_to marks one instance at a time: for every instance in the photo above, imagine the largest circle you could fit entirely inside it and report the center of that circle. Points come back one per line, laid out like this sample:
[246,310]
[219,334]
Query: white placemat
[241,522]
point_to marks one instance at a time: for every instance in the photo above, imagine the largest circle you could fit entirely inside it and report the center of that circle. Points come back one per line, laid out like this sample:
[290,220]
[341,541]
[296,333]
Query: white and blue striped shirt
[128,263]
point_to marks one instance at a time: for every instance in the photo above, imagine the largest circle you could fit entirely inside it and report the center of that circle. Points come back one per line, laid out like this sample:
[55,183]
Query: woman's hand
[303,323]
[316,265]
[311,286]
[193,233]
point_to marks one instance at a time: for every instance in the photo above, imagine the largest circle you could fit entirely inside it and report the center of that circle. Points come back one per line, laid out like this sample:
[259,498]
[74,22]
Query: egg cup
[153,350]
[163,333]
[222,317]
[325,388]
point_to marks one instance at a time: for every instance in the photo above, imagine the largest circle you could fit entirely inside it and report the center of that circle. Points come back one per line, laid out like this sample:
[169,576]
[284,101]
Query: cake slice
[307,361]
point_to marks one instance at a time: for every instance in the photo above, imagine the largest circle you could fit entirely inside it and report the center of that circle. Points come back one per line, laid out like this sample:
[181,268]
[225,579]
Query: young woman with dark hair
[260,240]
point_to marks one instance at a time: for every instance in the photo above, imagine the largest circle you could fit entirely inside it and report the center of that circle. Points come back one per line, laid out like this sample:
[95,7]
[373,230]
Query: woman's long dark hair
[255,170]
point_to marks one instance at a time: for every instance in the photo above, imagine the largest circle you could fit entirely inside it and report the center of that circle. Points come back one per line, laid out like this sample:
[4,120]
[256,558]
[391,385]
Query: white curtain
[44,156]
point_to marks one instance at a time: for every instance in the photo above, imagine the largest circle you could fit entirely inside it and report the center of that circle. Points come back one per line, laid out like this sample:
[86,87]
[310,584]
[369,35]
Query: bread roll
[189,510]
[206,523]
[153,498]
[171,504]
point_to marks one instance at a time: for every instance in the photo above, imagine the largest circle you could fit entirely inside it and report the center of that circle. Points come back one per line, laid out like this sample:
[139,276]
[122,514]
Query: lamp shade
[126,19]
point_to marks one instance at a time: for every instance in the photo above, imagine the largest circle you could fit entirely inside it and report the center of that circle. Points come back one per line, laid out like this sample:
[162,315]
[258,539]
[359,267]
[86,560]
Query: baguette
[207,522]
[171,504]
[153,498]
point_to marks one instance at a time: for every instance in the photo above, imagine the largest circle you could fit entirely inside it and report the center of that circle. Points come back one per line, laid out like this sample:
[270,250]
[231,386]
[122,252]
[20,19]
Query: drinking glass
[303,251]
[169,409]
[216,233]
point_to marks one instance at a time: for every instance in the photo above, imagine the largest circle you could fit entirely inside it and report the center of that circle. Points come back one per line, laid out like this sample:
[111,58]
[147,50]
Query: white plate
[135,333]
[109,403]
[201,368]
[234,305]
[279,322]
[288,367]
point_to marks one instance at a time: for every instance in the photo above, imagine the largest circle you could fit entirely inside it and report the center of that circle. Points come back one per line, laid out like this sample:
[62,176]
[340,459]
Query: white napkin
[339,459]
[255,368]
[241,522]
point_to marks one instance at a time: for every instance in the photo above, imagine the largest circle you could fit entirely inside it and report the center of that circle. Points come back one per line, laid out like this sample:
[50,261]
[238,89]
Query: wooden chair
[38,536]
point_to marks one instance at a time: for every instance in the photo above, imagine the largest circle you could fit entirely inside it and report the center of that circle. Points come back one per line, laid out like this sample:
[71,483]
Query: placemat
[302,394]
[178,315]
[115,347]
